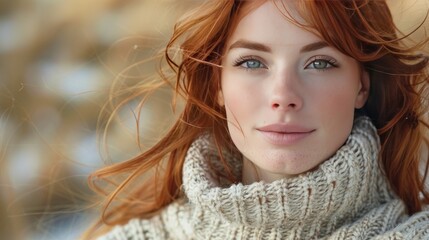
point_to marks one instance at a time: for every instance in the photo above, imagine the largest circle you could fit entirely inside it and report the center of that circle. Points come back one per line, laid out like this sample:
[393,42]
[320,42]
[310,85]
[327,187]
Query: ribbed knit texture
[346,197]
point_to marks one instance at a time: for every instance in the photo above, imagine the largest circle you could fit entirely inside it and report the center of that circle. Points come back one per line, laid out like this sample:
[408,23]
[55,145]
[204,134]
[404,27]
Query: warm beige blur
[57,61]
[409,14]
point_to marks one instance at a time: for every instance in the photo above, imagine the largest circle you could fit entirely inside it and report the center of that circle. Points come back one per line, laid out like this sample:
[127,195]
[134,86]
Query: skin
[277,74]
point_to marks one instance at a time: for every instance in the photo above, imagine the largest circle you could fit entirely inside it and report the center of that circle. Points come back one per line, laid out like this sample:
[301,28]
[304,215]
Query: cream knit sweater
[347,197]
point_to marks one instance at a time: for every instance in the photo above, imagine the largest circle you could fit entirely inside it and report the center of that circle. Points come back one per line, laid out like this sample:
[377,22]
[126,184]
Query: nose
[286,93]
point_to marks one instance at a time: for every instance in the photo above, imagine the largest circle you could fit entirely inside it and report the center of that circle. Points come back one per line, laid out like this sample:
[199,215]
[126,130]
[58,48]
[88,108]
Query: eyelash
[243,59]
[332,63]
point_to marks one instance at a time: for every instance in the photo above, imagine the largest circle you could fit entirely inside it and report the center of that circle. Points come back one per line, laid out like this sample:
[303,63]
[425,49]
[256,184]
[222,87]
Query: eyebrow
[250,45]
[264,48]
[313,46]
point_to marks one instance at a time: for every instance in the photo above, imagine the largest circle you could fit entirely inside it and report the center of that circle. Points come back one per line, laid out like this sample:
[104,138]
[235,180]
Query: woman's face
[289,97]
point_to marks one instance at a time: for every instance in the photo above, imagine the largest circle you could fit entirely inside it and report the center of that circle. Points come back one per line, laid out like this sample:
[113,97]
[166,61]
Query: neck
[251,173]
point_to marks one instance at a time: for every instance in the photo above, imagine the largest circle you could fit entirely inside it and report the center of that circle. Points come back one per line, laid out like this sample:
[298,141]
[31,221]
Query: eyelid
[242,59]
[328,59]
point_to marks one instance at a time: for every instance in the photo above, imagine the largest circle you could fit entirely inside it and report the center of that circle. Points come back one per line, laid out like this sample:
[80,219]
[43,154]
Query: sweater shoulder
[171,223]
[412,227]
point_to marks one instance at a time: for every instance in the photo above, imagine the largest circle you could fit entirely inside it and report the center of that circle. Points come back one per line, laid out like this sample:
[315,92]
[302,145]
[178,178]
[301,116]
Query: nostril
[289,106]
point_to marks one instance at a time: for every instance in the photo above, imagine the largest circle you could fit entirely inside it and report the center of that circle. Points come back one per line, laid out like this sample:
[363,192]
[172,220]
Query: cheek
[334,102]
[337,104]
[236,107]
[336,109]
[237,112]
[240,98]
[337,98]
[339,113]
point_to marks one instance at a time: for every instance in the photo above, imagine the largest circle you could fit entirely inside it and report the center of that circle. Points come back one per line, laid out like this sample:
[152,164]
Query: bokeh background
[58,60]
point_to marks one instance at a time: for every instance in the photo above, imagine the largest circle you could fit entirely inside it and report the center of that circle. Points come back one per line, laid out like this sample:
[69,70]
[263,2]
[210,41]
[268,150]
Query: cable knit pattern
[347,197]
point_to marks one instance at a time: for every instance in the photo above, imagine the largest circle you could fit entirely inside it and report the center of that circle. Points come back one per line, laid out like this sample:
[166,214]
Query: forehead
[272,22]
[288,8]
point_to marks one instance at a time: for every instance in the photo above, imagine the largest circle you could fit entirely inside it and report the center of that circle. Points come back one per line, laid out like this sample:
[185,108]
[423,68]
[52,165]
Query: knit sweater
[346,197]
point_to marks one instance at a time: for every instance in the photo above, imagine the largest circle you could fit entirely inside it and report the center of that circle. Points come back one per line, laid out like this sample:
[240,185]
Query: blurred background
[58,60]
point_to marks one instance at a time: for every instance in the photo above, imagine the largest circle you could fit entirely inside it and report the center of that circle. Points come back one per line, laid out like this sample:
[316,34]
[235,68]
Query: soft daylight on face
[289,98]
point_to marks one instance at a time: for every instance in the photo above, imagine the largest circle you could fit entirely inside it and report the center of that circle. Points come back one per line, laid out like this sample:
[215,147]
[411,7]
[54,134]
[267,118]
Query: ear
[220,99]
[364,90]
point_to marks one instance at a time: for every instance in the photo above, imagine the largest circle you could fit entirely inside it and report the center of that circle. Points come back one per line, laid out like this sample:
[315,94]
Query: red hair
[399,77]
[361,29]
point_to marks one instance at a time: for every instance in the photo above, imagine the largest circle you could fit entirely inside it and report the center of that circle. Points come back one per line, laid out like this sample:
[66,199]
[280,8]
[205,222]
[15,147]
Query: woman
[303,120]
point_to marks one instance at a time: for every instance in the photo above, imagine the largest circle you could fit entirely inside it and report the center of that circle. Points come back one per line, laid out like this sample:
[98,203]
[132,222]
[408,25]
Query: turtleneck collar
[339,191]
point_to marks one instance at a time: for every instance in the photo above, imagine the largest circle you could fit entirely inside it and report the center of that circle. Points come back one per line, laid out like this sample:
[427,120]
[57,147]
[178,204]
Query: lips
[284,134]
[285,128]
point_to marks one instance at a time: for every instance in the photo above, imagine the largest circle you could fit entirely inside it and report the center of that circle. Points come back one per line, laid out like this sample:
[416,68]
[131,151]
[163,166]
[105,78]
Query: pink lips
[284,134]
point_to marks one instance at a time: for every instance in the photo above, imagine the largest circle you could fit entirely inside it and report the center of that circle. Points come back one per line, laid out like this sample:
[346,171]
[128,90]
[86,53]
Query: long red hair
[361,29]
